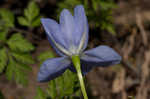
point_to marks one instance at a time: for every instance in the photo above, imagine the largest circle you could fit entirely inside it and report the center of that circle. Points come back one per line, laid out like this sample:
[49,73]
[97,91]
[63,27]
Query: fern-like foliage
[41,94]
[15,56]
[3,59]
[65,86]
[15,50]
[7,18]
[99,12]
[18,43]
[31,16]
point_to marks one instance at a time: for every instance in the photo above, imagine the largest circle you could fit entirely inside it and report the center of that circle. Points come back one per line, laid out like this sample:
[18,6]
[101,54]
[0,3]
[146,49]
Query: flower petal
[101,56]
[82,28]
[54,34]
[52,68]
[67,27]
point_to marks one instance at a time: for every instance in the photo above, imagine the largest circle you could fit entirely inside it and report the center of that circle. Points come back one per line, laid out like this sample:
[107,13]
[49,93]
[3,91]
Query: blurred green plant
[15,57]
[41,94]
[64,87]
[15,50]
[31,16]
[99,12]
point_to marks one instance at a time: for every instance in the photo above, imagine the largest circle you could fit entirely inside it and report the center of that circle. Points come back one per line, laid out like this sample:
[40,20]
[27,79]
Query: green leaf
[23,58]
[20,75]
[69,83]
[7,17]
[16,71]
[32,11]
[45,55]
[52,89]
[36,22]
[23,21]
[3,59]
[31,15]
[40,94]
[19,58]
[64,86]
[10,69]
[25,67]
[3,35]
[18,43]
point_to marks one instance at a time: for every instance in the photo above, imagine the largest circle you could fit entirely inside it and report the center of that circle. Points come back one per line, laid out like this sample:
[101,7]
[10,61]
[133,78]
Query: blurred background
[121,24]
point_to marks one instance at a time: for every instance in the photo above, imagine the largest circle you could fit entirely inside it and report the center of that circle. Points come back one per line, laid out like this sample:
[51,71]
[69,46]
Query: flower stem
[76,62]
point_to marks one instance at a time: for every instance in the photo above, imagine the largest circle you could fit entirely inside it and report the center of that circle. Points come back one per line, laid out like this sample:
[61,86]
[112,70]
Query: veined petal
[55,36]
[53,68]
[67,27]
[101,56]
[82,28]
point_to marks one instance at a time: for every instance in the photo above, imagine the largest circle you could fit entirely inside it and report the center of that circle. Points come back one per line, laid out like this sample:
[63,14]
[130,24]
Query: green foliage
[23,57]
[15,56]
[6,18]
[3,59]
[16,71]
[14,50]
[18,43]
[99,12]
[64,86]
[45,55]
[40,94]
[3,35]
[6,22]
[31,16]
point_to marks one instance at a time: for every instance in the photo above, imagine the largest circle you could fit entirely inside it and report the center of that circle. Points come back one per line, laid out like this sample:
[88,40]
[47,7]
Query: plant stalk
[77,65]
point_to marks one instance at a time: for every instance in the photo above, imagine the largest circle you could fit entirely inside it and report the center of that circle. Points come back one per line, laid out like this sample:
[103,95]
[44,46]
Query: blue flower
[68,38]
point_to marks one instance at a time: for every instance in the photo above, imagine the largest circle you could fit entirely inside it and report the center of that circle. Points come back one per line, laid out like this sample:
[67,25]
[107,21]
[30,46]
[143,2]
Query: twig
[129,45]
[143,91]
[25,32]
[19,30]
[142,30]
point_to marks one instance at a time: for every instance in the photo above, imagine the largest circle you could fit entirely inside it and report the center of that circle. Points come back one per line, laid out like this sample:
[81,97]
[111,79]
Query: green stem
[76,62]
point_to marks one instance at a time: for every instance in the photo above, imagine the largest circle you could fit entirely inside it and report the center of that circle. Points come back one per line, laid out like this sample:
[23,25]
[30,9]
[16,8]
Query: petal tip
[39,78]
[43,21]
[119,58]
[79,6]
[65,12]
